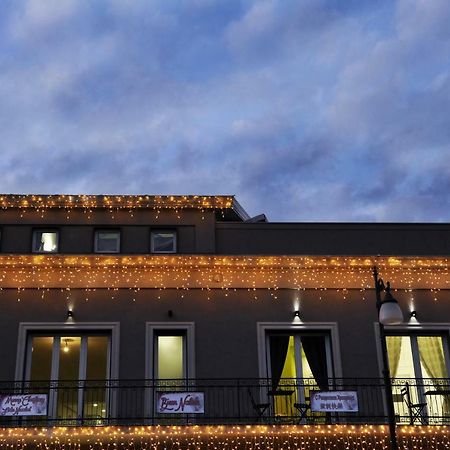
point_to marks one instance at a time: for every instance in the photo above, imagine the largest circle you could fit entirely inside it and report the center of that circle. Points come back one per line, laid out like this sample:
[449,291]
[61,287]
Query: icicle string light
[127,202]
[249,437]
[186,272]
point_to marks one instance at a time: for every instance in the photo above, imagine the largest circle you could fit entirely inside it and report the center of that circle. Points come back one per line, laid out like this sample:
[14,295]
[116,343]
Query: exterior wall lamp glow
[69,314]
[389,313]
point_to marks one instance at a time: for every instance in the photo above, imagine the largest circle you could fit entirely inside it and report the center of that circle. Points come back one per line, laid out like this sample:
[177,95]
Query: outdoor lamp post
[389,313]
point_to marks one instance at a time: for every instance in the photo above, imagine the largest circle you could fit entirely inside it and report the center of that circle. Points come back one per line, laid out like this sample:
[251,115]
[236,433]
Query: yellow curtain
[432,355]
[394,348]
[432,358]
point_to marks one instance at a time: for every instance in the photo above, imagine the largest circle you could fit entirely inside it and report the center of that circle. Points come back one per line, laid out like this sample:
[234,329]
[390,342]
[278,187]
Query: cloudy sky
[306,110]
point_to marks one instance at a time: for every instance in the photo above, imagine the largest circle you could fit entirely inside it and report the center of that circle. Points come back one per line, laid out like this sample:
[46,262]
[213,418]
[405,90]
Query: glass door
[298,363]
[419,366]
[74,369]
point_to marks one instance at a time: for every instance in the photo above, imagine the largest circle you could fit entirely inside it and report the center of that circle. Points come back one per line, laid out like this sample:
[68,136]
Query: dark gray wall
[332,239]
[194,234]
[225,327]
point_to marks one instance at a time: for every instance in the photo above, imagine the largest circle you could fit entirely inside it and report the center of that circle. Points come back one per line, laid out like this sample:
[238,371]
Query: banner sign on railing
[334,401]
[180,402]
[23,405]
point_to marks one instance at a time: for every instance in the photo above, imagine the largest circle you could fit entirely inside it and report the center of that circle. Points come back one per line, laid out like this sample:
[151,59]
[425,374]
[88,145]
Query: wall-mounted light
[297,314]
[413,314]
[170,313]
[69,314]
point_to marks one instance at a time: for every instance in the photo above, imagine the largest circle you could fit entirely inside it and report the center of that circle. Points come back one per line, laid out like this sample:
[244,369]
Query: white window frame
[96,239]
[152,245]
[263,330]
[151,331]
[409,329]
[35,242]
[28,328]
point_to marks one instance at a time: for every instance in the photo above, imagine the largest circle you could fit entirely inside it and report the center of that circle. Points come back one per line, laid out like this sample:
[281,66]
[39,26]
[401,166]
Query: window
[77,366]
[107,241]
[45,241]
[421,363]
[297,363]
[163,241]
[170,350]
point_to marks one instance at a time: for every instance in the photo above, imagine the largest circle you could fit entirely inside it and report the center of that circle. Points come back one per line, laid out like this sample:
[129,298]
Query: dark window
[163,241]
[107,241]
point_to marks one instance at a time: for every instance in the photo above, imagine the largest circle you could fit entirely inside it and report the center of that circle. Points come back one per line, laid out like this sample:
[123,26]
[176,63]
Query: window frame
[331,328]
[45,230]
[164,230]
[419,329]
[107,230]
[151,331]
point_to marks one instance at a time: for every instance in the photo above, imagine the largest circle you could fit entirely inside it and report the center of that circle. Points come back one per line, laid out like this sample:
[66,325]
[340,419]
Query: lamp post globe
[390,313]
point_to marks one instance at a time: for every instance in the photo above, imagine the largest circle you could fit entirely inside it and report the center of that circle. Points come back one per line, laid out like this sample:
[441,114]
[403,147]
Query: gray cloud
[306,111]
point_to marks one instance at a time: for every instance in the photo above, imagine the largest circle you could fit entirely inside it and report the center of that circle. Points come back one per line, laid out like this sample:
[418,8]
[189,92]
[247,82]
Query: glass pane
[41,358]
[96,371]
[69,368]
[108,241]
[46,241]
[163,242]
[170,357]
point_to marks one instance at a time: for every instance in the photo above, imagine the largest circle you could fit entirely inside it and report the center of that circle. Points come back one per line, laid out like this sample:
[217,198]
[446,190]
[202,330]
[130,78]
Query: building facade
[108,303]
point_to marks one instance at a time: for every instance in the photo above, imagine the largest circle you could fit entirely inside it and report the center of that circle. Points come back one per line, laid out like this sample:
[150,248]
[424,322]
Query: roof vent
[256,219]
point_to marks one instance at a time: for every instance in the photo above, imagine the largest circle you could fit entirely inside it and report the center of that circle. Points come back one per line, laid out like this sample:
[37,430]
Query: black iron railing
[222,401]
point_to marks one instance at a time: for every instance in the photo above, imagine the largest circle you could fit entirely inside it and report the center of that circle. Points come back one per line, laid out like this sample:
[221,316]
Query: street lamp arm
[379,287]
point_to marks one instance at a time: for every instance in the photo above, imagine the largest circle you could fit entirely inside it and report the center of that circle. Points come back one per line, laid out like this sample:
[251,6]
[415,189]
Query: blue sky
[307,110]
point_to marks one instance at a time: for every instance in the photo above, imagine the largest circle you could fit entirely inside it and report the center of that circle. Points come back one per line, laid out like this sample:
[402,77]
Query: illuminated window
[107,241]
[170,356]
[298,363]
[421,361]
[64,360]
[170,350]
[45,241]
[163,242]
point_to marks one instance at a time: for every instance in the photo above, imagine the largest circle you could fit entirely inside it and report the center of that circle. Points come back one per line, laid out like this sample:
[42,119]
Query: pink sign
[180,402]
[23,405]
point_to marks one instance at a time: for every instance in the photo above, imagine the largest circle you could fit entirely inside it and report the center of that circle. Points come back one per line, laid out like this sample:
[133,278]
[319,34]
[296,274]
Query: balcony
[222,402]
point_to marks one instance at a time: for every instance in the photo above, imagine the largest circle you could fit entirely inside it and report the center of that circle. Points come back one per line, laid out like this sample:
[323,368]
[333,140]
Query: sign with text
[180,402]
[334,401]
[23,405]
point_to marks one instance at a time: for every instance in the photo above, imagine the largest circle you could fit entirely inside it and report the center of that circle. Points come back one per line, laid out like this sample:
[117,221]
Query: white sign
[23,405]
[180,402]
[334,401]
